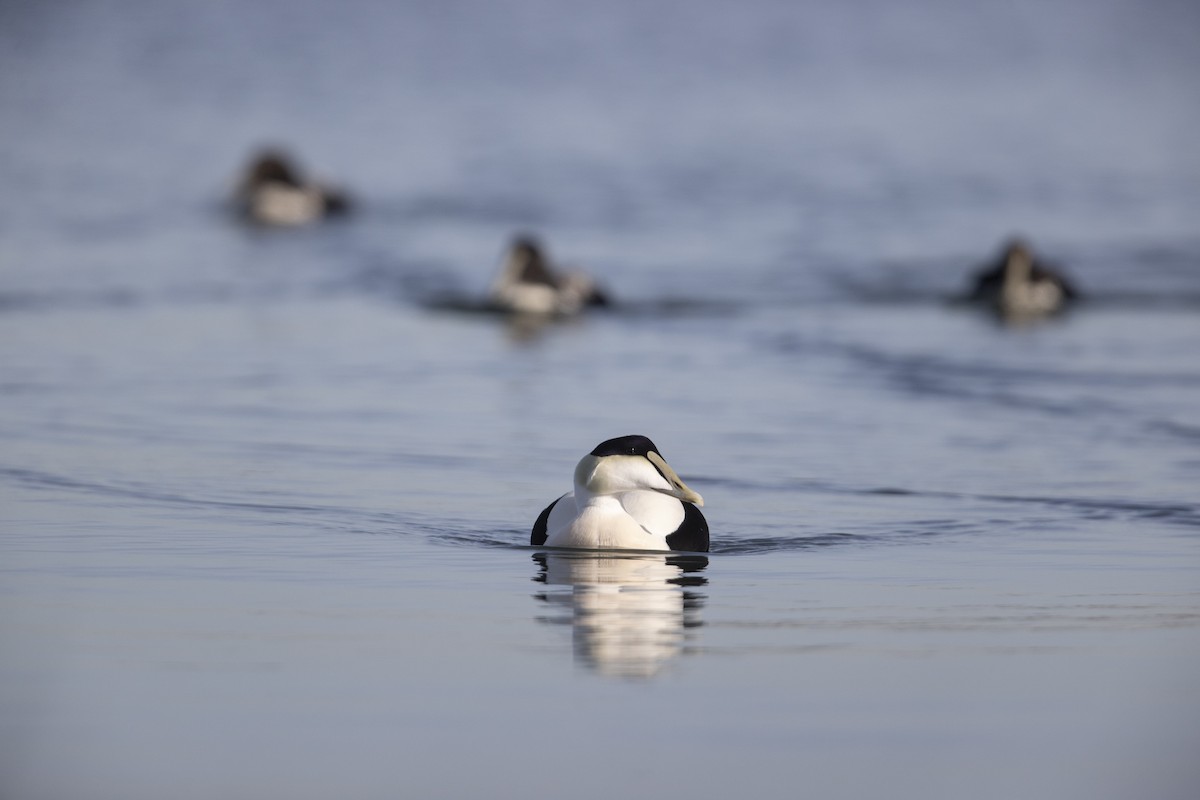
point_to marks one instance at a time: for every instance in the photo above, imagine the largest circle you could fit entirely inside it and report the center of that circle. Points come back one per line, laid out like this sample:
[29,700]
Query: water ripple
[468,533]
[45,480]
[1177,512]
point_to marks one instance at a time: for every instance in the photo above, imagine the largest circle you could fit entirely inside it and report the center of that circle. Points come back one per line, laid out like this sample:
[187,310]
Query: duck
[529,284]
[1017,285]
[274,192]
[626,497]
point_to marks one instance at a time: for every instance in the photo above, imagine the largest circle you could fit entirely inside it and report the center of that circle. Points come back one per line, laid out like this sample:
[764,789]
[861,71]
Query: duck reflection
[629,614]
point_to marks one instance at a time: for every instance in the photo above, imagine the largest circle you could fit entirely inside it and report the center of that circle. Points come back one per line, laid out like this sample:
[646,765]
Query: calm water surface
[264,506]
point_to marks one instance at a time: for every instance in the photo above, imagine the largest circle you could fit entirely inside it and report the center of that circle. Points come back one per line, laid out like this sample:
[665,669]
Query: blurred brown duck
[1017,284]
[273,191]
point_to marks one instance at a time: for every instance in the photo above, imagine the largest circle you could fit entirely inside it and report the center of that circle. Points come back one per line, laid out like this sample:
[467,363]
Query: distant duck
[528,284]
[273,191]
[626,496]
[1017,285]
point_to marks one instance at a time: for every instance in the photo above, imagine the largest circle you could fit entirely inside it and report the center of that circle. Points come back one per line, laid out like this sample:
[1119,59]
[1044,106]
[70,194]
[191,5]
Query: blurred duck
[1017,285]
[273,191]
[528,284]
[626,496]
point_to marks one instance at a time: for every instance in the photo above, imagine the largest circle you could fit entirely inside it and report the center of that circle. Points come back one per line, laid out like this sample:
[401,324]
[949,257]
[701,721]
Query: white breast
[1035,297]
[528,298]
[639,520]
[285,205]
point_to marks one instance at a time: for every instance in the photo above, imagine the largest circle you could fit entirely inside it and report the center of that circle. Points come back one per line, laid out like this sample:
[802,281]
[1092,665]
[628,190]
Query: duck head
[630,463]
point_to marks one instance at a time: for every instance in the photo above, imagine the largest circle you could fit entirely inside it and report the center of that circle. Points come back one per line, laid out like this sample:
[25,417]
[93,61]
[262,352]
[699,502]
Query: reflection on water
[629,614]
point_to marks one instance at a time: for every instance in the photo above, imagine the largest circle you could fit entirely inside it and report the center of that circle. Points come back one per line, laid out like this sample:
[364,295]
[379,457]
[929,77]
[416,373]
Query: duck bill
[679,489]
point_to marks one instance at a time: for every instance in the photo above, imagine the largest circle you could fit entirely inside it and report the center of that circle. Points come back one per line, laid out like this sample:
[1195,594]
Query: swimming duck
[1018,285]
[273,191]
[528,284]
[626,496]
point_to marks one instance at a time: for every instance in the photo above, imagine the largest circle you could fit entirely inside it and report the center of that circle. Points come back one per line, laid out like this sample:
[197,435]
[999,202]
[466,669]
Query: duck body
[626,496]
[528,284]
[1019,286]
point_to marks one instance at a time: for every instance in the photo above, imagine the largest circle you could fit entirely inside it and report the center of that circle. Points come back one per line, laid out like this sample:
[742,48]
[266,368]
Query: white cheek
[627,473]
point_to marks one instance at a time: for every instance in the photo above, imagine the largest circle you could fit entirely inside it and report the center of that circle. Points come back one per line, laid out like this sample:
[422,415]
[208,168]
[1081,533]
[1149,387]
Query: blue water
[264,501]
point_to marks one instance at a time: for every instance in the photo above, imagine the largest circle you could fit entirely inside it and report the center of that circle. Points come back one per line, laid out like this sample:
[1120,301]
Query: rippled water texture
[265,496]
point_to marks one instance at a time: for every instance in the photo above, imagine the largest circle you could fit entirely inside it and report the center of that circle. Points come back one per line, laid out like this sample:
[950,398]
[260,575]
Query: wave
[125,298]
[469,206]
[1177,429]
[975,370]
[1183,513]
[502,538]
[726,543]
[469,533]
[32,301]
[45,480]
[1071,392]
[753,545]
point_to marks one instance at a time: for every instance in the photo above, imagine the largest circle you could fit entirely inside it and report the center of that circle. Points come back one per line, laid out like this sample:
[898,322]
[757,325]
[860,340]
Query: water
[264,505]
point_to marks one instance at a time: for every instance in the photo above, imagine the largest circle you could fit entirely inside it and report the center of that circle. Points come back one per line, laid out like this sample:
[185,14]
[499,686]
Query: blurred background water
[264,509]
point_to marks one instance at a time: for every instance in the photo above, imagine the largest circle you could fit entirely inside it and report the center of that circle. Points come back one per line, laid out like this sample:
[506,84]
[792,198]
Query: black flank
[538,537]
[692,533]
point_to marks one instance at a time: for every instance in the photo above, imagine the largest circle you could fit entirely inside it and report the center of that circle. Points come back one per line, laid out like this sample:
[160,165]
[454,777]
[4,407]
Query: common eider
[273,191]
[626,496]
[1018,285]
[528,284]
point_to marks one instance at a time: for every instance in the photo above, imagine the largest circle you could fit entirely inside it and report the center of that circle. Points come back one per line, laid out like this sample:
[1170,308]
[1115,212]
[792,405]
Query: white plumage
[626,496]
